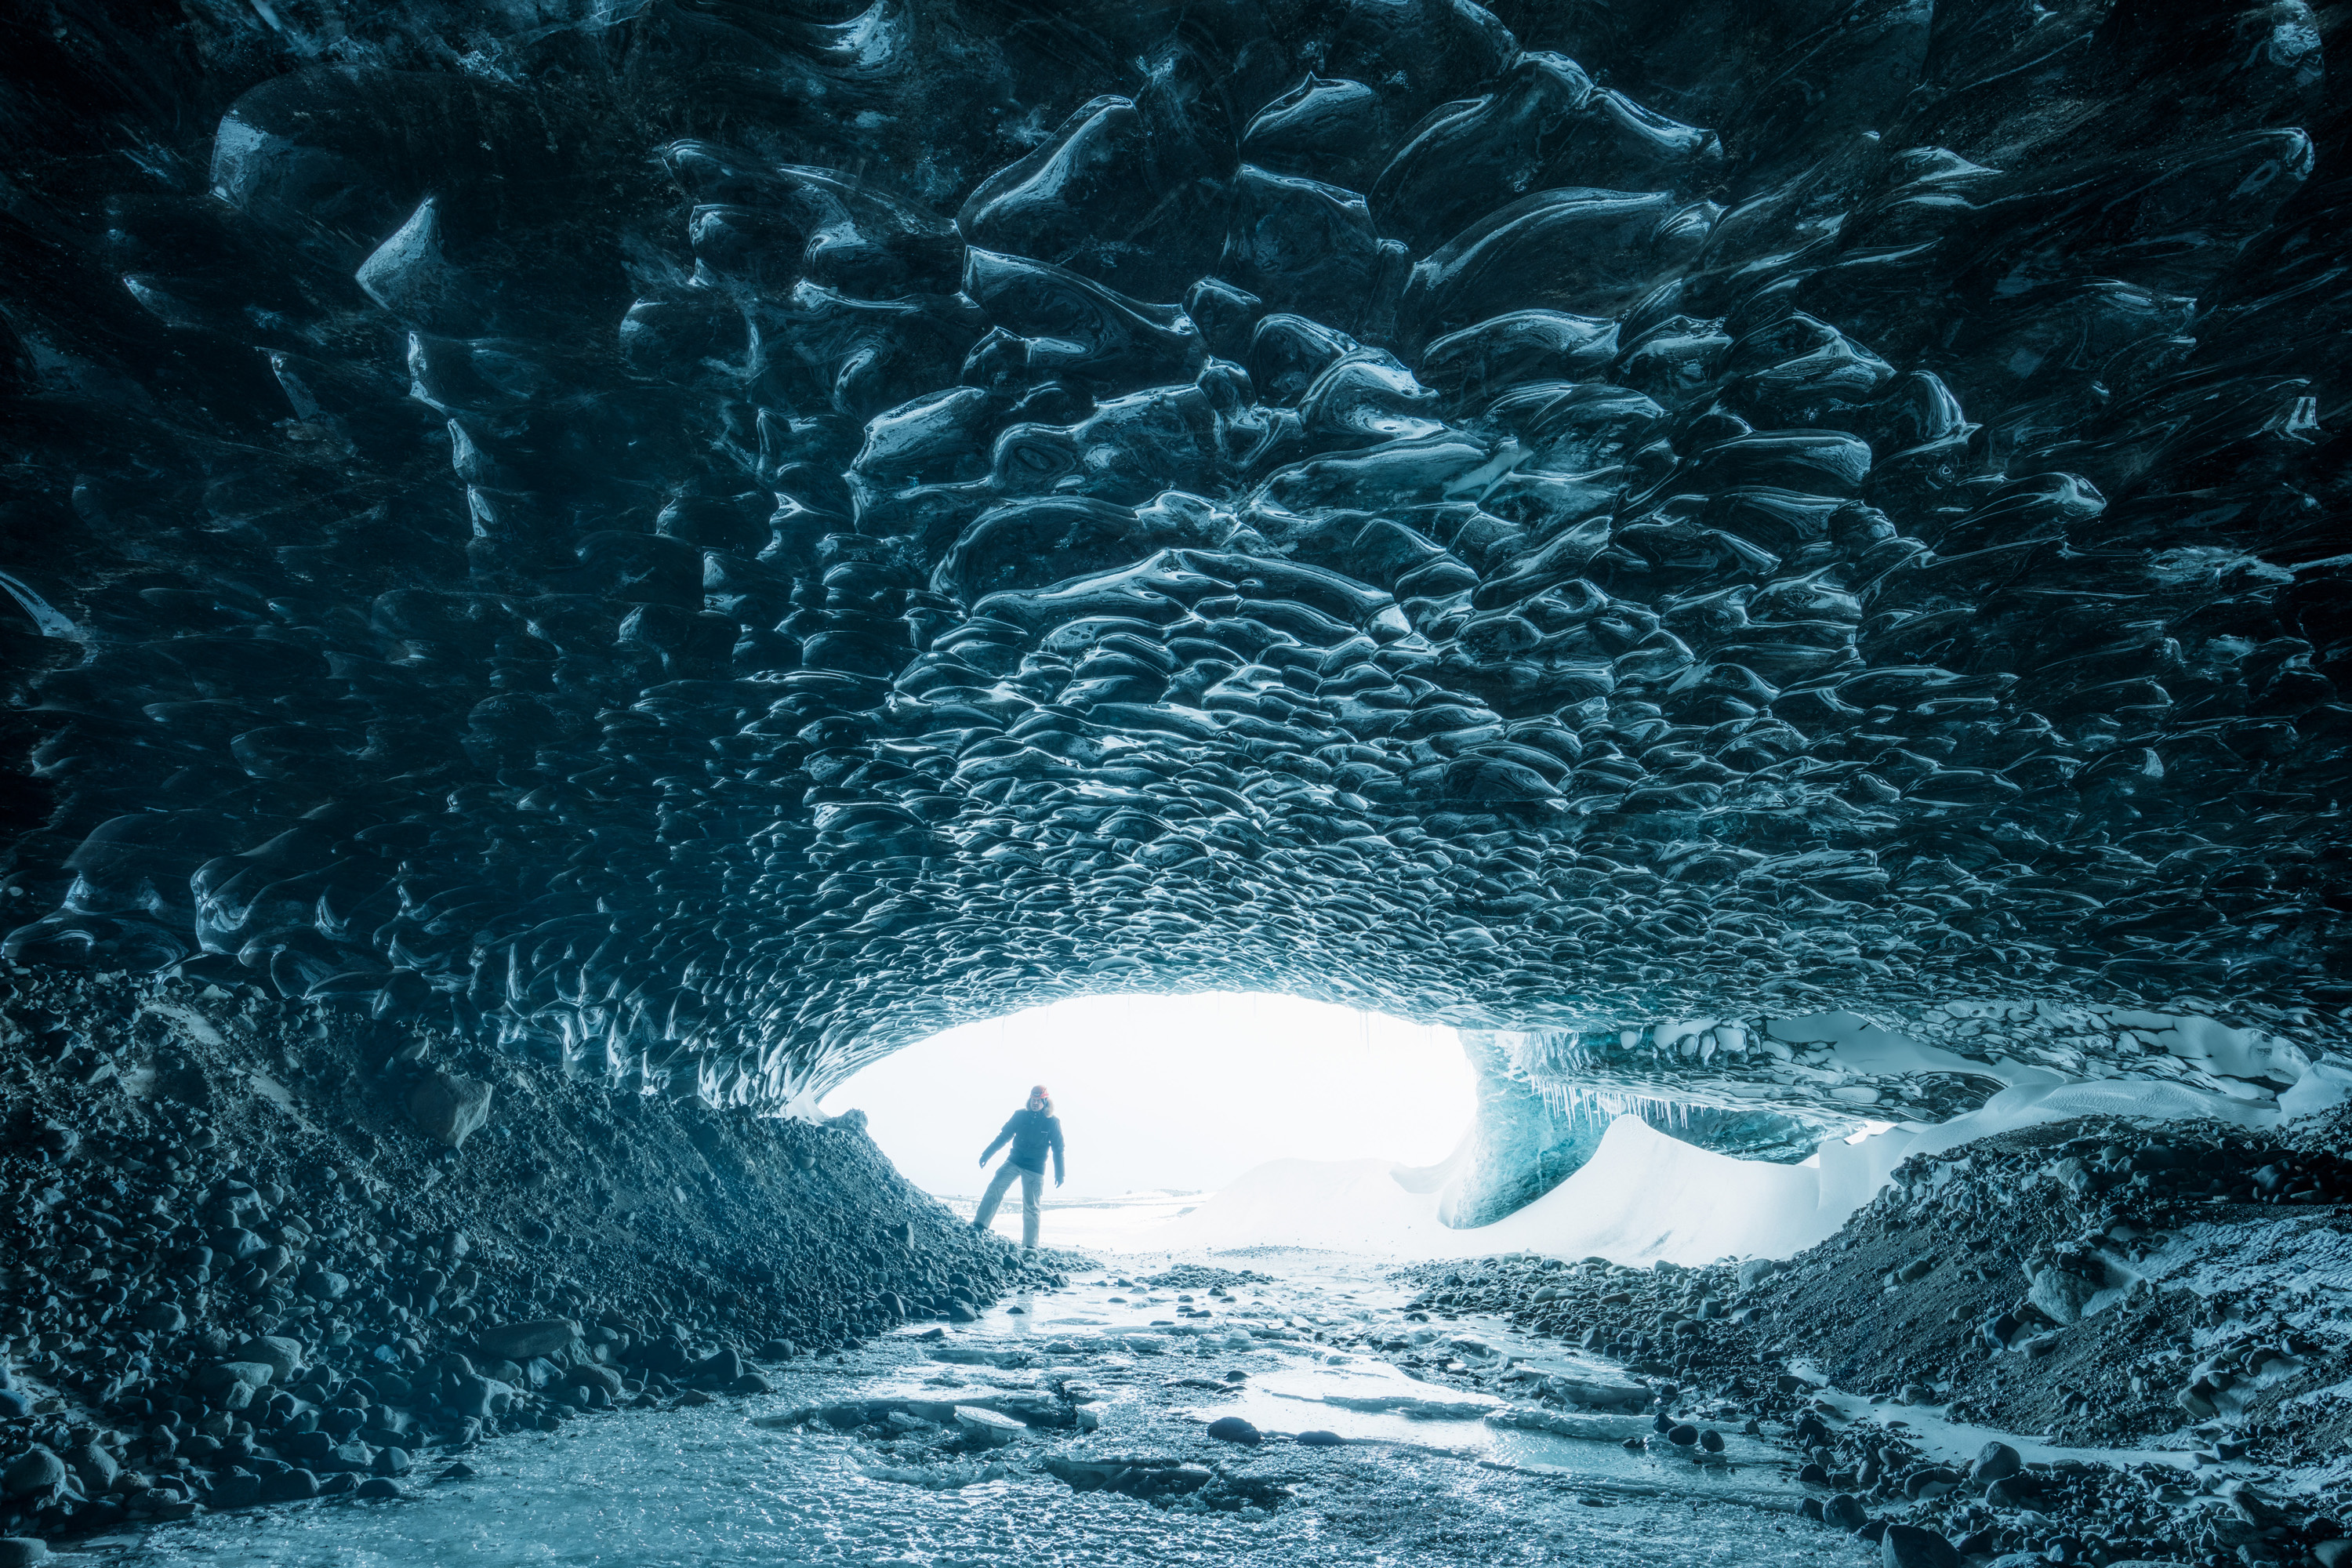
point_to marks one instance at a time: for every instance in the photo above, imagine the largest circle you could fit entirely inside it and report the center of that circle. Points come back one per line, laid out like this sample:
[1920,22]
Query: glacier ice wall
[711,540]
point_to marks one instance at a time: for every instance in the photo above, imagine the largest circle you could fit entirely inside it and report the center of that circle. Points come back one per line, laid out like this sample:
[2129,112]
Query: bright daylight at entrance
[1202,1090]
[1402,783]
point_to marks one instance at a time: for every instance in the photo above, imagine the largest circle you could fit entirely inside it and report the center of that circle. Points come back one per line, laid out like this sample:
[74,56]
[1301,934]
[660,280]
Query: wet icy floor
[1425,1479]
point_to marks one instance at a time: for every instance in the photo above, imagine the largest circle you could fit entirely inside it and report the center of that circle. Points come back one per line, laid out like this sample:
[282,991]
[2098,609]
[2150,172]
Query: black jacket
[1032,1134]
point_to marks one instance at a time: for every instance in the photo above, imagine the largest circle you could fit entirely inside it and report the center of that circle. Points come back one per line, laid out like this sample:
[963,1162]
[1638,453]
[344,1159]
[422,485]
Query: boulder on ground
[448,1108]
[470,1394]
[34,1471]
[2061,1294]
[1909,1546]
[281,1355]
[2020,1490]
[592,1376]
[1233,1429]
[520,1341]
[94,1465]
[323,1285]
[1995,1462]
[217,1377]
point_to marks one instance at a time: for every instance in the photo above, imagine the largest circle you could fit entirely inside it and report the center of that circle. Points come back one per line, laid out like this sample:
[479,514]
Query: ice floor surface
[1368,1400]
[1124,1224]
[704,1487]
[1430,1479]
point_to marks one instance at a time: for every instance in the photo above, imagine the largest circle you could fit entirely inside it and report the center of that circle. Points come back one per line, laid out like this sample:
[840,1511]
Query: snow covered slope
[1643,1196]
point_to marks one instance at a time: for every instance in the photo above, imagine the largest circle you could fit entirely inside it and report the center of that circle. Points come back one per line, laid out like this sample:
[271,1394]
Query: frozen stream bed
[1423,1475]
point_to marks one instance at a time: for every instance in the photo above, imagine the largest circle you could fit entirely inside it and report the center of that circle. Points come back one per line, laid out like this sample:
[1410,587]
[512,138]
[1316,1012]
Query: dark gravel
[250,1261]
[1960,1288]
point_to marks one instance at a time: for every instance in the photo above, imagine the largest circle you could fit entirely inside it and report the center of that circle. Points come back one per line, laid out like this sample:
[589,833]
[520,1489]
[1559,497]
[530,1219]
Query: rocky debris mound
[2105,1282]
[240,1272]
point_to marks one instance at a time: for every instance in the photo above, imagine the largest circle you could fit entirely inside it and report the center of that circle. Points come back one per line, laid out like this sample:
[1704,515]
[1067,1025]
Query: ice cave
[579,571]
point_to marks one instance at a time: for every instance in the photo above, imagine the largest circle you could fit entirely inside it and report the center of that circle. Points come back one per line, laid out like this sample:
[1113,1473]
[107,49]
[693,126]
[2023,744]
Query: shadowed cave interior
[1785,560]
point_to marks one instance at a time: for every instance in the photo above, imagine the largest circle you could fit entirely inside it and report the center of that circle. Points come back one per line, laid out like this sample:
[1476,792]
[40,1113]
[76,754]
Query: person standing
[1032,1130]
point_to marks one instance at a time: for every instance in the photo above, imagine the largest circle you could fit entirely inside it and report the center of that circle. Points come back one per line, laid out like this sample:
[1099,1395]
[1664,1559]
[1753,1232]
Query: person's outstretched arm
[999,1143]
[1057,1151]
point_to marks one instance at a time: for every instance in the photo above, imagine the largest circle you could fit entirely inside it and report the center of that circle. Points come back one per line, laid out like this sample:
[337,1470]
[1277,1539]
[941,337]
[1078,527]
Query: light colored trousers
[1032,1200]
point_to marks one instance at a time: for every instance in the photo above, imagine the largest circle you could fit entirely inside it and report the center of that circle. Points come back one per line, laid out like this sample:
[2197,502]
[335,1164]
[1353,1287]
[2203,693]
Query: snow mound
[1645,1196]
[1642,1196]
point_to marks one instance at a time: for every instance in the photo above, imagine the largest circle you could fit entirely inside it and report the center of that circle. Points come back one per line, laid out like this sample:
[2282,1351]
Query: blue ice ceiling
[713,541]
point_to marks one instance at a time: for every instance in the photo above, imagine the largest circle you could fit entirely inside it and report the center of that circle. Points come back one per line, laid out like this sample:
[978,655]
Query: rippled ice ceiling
[719,539]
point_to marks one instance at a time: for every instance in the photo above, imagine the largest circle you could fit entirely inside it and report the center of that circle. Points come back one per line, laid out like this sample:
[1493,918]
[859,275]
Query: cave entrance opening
[1166,1098]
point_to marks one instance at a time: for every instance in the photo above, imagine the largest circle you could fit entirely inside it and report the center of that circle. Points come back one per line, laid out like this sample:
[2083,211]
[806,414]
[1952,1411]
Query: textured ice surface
[718,1484]
[709,1488]
[713,544]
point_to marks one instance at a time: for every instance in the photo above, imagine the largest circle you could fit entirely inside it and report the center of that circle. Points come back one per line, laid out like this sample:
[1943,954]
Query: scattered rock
[306,1286]
[520,1341]
[282,1356]
[2061,1294]
[1995,1462]
[2014,1492]
[472,1394]
[92,1466]
[291,1485]
[219,1377]
[1929,1482]
[1909,1546]
[448,1108]
[591,1376]
[35,1471]
[325,1285]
